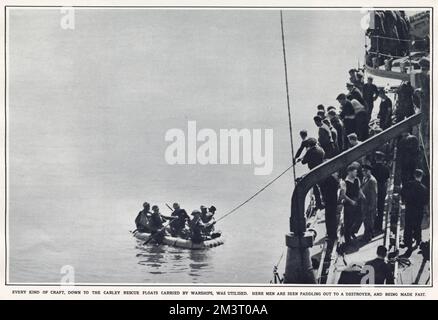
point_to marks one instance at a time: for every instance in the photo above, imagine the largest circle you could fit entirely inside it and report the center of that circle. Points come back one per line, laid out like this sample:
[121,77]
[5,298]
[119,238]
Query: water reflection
[190,265]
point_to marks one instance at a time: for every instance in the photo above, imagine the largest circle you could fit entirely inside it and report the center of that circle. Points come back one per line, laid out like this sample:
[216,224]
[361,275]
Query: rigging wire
[424,151]
[287,95]
[255,194]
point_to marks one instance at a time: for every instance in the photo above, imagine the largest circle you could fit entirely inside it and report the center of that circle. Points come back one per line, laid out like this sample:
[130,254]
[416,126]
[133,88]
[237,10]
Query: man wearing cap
[415,196]
[370,95]
[369,203]
[325,137]
[142,220]
[382,173]
[385,110]
[336,122]
[197,227]
[347,114]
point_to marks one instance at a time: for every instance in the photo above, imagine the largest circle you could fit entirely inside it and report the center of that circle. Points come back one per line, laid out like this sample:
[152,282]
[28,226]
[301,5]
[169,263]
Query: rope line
[390,38]
[387,55]
[424,151]
[287,94]
[255,194]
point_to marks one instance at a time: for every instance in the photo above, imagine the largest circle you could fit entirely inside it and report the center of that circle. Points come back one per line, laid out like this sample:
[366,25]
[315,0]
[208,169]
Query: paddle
[157,233]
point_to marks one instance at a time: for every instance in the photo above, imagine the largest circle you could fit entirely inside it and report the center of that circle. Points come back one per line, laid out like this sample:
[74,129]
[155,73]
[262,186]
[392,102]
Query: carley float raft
[182,243]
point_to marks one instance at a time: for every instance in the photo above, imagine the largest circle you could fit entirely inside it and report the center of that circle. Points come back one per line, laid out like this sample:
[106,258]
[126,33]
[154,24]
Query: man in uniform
[329,191]
[314,157]
[408,152]
[325,137]
[370,95]
[369,203]
[334,134]
[415,196]
[347,114]
[381,173]
[339,127]
[385,110]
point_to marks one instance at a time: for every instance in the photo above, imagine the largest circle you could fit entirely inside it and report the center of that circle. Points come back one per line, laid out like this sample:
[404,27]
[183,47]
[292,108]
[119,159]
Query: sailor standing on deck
[385,110]
[339,126]
[370,95]
[347,114]
[314,157]
[325,138]
[369,202]
[303,135]
[329,190]
[408,152]
[350,193]
[381,172]
[415,196]
[334,134]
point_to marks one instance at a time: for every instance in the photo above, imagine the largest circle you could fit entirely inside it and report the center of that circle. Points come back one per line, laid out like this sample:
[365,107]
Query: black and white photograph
[271,146]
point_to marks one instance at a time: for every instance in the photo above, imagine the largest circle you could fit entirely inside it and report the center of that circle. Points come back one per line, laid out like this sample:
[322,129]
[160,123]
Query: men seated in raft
[156,224]
[142,220]
[178,225]
[198,228]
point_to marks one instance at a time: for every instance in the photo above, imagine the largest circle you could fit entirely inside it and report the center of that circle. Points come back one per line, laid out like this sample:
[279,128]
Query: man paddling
[179,223]
[156,224]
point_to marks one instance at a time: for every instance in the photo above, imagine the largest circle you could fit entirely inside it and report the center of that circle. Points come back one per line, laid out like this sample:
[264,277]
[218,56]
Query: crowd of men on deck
[390,32]
[179,224]
[390,37]
[362,187]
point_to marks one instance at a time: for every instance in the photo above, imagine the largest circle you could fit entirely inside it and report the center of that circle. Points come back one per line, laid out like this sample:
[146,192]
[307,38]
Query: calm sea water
[88,111]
